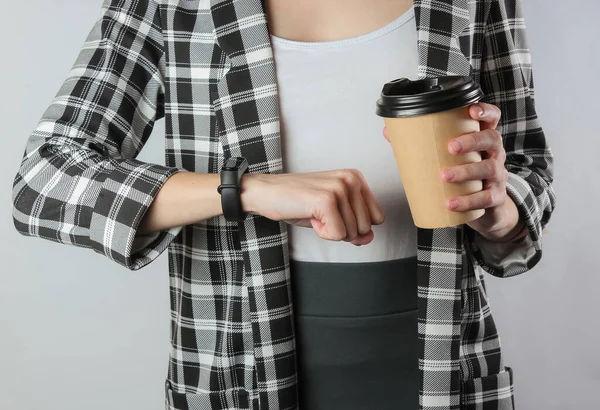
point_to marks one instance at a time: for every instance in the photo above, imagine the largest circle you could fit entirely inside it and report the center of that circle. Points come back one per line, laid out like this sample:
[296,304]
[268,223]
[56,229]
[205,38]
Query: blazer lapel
[247,113]
[439,24]
[246,102]
[440,252]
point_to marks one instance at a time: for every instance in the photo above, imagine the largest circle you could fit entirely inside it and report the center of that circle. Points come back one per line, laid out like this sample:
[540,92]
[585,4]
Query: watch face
[233,163]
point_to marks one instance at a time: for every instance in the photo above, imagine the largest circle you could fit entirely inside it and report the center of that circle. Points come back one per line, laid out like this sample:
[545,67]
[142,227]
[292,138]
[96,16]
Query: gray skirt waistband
[340,289]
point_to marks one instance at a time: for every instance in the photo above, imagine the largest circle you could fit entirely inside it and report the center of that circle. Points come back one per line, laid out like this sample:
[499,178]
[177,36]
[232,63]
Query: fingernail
[453,204]
[480,112]
[456,146]
[449,174]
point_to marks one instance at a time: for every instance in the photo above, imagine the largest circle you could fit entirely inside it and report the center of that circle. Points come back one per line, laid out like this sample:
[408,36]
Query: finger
[363,240]
[363,219]
[490,169]
[486,140]
[349,219]
[488,114]
[386,133]
[327,221]
[342,191]
[376,214]
[480,200]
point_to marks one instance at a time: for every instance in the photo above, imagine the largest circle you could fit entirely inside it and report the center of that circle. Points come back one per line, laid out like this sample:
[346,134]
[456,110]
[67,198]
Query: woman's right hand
[337,204]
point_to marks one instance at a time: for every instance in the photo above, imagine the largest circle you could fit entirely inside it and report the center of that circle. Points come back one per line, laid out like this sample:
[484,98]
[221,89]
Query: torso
[318,115]
[318,20]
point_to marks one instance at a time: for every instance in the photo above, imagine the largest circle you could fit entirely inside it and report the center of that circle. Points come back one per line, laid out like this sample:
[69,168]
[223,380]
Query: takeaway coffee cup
[422,117]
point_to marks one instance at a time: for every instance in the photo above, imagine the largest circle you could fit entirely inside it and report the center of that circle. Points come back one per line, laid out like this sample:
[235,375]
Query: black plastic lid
[406,98]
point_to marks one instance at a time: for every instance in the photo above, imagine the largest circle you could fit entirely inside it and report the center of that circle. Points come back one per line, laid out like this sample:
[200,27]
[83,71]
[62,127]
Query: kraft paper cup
[422,117]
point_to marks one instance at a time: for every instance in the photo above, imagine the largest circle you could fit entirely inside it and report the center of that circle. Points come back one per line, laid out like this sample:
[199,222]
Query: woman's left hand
[501,217]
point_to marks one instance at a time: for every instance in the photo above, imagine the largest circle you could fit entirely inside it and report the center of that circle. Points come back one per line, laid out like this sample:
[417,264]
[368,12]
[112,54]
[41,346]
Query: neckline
[400,21]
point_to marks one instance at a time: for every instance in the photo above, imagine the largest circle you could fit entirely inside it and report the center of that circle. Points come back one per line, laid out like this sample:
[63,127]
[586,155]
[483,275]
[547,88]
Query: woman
[223,76]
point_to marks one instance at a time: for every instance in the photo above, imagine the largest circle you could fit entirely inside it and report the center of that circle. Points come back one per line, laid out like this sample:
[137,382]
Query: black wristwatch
[230,189]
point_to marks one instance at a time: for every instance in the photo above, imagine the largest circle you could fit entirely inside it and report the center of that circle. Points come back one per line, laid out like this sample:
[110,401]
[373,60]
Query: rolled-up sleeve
[79,181]
[507,81]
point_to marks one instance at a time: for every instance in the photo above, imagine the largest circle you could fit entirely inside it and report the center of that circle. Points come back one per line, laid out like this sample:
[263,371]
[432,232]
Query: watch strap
[230,191]
[231,203]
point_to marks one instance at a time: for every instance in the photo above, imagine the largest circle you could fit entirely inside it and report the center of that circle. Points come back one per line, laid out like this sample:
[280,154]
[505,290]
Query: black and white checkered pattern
[206,67]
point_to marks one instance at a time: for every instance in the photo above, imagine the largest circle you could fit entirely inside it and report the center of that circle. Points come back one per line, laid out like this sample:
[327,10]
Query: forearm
[190,197]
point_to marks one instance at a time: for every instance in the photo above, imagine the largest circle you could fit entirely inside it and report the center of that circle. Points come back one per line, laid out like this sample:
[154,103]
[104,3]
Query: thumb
[324,229]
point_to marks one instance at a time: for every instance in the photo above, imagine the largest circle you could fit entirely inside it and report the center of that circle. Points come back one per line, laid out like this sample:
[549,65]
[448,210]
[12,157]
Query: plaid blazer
[207,68]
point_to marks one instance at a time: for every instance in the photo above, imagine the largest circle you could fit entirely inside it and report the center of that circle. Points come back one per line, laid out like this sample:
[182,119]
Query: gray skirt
[356,334]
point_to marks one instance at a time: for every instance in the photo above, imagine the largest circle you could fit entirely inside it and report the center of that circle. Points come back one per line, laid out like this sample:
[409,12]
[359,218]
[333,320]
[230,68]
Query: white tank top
[327,94]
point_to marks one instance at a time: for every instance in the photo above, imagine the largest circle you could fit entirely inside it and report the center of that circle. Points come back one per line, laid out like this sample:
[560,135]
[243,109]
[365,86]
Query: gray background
[68,316]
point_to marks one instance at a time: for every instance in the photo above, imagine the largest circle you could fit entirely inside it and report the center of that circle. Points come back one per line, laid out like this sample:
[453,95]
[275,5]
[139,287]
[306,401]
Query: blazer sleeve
[79,181]
[507,81]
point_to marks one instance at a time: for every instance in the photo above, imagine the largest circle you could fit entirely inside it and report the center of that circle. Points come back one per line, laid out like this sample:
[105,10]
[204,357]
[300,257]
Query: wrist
[516,227]
[250,194]
[517,232]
